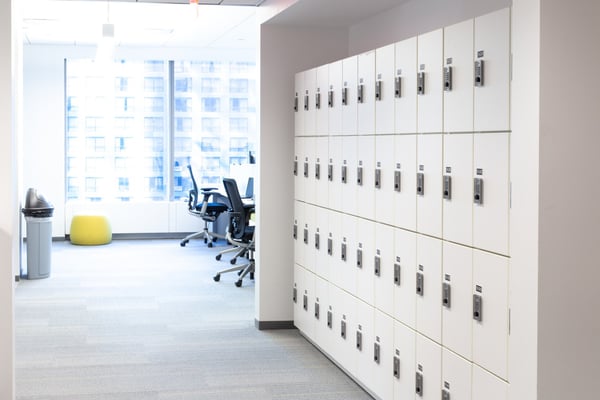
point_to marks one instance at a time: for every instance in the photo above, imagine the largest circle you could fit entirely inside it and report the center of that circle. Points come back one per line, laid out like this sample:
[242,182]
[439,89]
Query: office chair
[208,211]
[239,232]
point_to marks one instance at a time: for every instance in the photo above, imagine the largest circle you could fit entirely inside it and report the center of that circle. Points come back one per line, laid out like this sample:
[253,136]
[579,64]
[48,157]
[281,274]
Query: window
[154,104]
[183,144]
[124,104]
[211,104]
[122,84]
[209,85]
[210,67]
[238,105]
[238,85]
[210,144]
[124,124]
[183,85]
[211,125]
[153,125]
[239,125]
[183,124]
[238,145]
[94,124]
[95,144]
[154,66]
[183,104]
[154,85]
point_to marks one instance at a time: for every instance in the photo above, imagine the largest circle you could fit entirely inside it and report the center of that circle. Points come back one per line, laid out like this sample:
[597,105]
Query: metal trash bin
[38,215]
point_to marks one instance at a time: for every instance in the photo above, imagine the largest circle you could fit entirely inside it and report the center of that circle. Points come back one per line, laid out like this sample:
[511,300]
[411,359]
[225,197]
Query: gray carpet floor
[143,319]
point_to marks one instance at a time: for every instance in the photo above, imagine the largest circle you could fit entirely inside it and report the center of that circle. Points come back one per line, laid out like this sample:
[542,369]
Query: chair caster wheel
[238,283]
[210,244]
[182,244]
[233,261]
[217,277]
[215,239]
[205,240]
[218,257]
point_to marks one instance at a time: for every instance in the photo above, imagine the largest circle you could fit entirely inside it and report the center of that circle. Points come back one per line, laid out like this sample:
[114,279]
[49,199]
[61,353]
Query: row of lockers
[454,79]
[391,359]
[450,186]
[455,295]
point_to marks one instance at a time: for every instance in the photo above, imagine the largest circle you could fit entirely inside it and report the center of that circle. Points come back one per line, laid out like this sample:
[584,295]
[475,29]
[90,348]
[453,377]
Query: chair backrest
[240,217]
[249,188]
[193,193]
[195,186]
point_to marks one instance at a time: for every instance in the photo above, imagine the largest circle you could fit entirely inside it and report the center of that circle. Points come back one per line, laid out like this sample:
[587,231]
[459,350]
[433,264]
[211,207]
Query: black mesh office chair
[240,232]
[208,211]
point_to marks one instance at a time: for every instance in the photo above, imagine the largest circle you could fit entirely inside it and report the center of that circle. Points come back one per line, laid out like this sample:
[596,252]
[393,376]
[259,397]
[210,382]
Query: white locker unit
[405,269]
[299,180]
[405,86]
[347,254]
[321,161]
[405,167]
[364,336]
[299,246]
[488,387]
[321,234]
[458,77]
[491,189]
[333,246]
[307,235]
[385,93]
[349,95]
[321,104]
[383,268]
[428,374]
[403,369]
[303,297]
[322,335]
[334,98]
[308,172]
[365,94]
[428,287]
[347,174]
[429,82]
[429,184]
[365,177]
[457,188]
[492,72]
[299,114]
[456,377]
[365,254]
[382,356]
[490,312]
[310,85]
[333,172]
[385,180]
[344,319]
[457,299]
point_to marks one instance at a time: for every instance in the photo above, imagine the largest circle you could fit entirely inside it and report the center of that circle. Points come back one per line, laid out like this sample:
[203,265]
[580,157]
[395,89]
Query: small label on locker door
[398,87]
[359,258]
[377,268]
[419,384]
[378,91]
[359,90]
[478,72]
[306,169]
[376,352]
[330,98]
[295,167]
[330,172]
[345,96]
[329,319]
[305,302]
[317,241]
[378,178]
[420,284]
[477,307]
[397,180]
[420,183]
[478,191]
[344,174]
[359,340]
[447,187]
[359,174]
[317,310]
[305,238]
[343,252]
[329,246]
[295,295]
[296,103]
[446,295]
[306,103]
[397,271]
[396,367]
[343,329]
[317,171]
[420,83]
[318,100]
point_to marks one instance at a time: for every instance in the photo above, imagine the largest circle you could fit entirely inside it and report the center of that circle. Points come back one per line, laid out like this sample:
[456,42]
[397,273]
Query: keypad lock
[306,103]
[448,78]
[420,184]
[305,172]
[317,171]
[378,178]
[477,308]
[359,175]
[378,91]
[446,295]
[421,83]
[397,271]
[377,268]
[343,252]
[376,352]
[343,329]
[359,340]
[359,258]
[344,171]
[398,87]
[447,189]
[318,100]
[359,95]
[296,168]
[296,103]
[445,395]
[305,302]
[419,384]
[478,191]
[345,96]
[317,314]
[317,241]
[330,98]
[330,172]
[396,367]
[329,319]
[295,233]
[295,295]
[397,181]
[305,236]
[329,246]
[478,71]
[420,284]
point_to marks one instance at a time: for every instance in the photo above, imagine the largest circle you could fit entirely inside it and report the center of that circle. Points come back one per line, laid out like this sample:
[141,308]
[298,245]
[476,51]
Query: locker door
[429,184]
[347,254]
[382,356]
[333,246]
[490,312]
[458,77]
[403,370]
[321,234]
[321,196]
[344,319]
[457,190]
[384,89]
[307,236]
[405,269]
[492,52]
[456,377]
[299,247]
[321,104]
[349,95]
[405,201]
[310,85]
[297,296]
[383,179]
[428,373]
[334,98]
[365,253]
[364,338]
[491,174]
[488,387]
[457,299]
[347,174]
[299,180]
[322,335]
[365,177]
[307,301]
[383,268]
[333,171]
[308,172]
[428,287]
[405,86]
[429,81]
[299,104]
[365,93]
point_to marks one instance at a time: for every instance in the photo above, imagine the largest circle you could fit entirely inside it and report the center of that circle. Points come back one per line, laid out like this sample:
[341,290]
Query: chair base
[209,237]
[243,270]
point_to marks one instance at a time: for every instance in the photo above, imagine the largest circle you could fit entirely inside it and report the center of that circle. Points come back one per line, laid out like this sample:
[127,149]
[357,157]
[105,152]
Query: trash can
[38,215]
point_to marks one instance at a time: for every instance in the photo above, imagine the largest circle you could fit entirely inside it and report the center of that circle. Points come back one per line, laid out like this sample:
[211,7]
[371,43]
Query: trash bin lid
[36,205]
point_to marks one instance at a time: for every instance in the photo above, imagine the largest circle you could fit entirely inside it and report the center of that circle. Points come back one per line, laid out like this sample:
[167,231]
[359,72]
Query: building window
[238,125]
[154,85]
[183,124]
[124,104]
[238,105]
[238,145]
[154,104]
[183,85]
[238,85]
[183,104]
[211,104]
[211,125]
[210,144]
[210,85]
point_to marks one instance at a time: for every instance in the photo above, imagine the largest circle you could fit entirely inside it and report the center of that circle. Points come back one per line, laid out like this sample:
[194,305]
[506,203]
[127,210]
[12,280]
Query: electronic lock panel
[321,101]
[365,177]
[365,254]
[365,90]
[456,377]
[405,86]
[405,174]
[429,82]
[310,86]
[385,97]
[298,104]
[334,98]
[383,179]
[429,184]
[349,95]
[405,269]
[428,291]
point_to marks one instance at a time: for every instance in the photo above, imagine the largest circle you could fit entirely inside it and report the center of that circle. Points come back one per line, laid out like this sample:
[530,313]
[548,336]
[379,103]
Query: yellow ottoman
[90,230]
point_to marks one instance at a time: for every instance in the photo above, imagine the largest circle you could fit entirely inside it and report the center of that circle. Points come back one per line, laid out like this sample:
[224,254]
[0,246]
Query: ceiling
[156,23]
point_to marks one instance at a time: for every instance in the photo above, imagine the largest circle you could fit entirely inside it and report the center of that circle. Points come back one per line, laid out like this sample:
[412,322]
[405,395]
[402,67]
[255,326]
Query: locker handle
[359,340]
[378,91]
[343,329]
[294,295]
[420,183]
[359,174]
[306,103]
[377,178]
[344,169]
[317,171]
[419,384]
[420,83]
[295,232]
[420,284]
[329,319]
[330,172]
[376,352]
[478,191]
[317,314]
[396,367]
[448,78]
[329,246]
[330,98]
[447,189]
[305,236]
[478,71]
[398,87]
[305,171]
[377,267]
[295,168]
[359,258]
[397,180]
[345,96]
[343,252]
[296,104]
[477,308]
[318,100]
[397,270]
[446,295]
[317,240]
[305,302]
[359,96]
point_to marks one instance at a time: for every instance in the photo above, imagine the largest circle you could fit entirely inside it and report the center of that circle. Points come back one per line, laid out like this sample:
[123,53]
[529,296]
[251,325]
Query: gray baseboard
[270,325]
